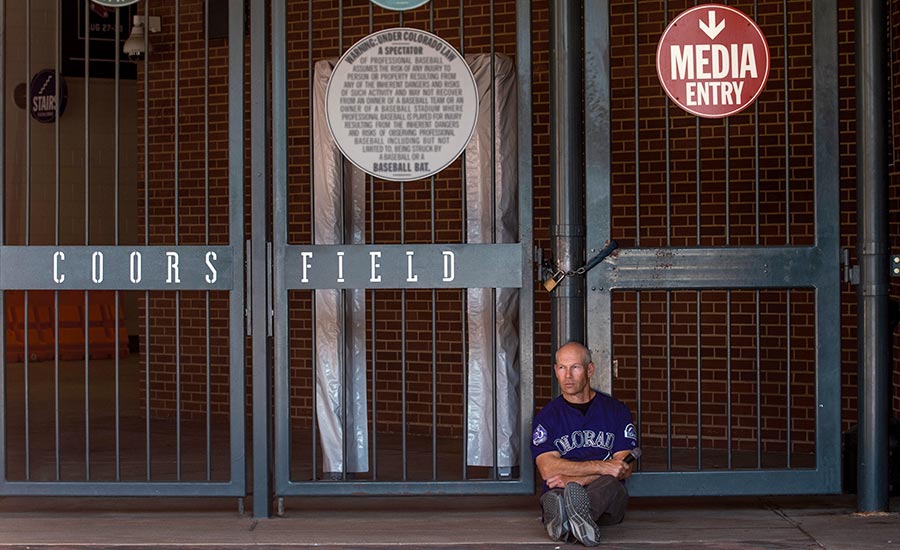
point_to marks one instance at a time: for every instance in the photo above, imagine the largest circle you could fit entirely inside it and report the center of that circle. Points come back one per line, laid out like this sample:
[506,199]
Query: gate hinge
[851,272]
[895,266]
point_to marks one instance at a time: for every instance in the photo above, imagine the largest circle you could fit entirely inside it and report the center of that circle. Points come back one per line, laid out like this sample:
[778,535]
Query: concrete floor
[438,523]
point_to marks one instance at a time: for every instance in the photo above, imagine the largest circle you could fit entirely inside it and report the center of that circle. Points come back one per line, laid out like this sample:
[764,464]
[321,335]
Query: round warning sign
[400,5]
[401,104]
[713,61]
[115,3]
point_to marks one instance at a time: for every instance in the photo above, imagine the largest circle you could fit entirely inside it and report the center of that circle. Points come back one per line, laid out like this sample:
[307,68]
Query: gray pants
[609,499]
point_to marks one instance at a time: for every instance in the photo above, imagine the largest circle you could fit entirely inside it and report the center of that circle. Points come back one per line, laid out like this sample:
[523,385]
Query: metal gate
[718,323]
[369,406]
[69,289]
[80,412]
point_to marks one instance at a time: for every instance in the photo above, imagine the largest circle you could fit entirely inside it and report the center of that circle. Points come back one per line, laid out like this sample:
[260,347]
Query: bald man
[579,444]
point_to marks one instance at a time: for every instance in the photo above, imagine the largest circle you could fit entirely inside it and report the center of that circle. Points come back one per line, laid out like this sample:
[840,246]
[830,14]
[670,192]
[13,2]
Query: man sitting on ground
[579,444]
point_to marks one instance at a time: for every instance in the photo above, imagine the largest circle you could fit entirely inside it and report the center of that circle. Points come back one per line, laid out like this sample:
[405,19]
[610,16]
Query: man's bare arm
[554,467]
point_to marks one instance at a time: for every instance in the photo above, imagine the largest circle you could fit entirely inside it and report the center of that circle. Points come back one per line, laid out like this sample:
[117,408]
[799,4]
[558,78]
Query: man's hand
[615,467]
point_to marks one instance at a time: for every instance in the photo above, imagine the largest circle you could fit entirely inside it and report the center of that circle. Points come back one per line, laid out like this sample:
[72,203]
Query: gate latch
[558,276]
[851,272]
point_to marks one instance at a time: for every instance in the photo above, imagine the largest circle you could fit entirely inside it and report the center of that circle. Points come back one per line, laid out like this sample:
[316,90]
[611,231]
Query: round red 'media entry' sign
[713,61]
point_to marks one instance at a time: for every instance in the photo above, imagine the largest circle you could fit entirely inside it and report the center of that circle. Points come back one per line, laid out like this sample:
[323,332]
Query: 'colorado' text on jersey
[584,438]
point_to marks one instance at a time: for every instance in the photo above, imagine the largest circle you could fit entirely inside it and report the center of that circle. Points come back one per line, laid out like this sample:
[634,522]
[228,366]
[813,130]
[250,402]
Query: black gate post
[566,169]
[872,249]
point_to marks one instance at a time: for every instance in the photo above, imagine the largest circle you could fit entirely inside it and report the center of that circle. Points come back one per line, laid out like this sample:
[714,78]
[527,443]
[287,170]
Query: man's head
[574,369]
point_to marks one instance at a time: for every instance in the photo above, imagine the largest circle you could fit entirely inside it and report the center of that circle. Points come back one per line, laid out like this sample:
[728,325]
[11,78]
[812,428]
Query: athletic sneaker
[578,509]
[555,519]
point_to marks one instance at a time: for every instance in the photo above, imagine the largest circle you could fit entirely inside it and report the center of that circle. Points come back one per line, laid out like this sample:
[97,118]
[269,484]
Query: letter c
[58,277]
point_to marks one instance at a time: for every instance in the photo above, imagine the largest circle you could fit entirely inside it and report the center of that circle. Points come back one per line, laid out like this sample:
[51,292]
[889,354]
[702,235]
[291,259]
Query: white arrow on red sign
[712,30]
[713,61]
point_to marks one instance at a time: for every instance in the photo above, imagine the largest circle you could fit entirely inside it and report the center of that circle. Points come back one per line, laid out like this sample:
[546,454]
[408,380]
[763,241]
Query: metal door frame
[814,267]
[284,255]
[35,271]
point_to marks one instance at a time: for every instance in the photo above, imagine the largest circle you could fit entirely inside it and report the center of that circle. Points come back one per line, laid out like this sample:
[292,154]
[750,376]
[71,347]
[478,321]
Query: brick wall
[184,204]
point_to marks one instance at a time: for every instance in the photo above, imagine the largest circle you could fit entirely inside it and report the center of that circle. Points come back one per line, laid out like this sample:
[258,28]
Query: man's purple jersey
[606,429]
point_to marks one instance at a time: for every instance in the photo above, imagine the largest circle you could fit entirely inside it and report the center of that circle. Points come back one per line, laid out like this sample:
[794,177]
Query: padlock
[554,280]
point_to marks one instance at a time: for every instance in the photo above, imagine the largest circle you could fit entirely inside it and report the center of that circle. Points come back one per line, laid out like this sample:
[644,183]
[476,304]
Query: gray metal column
[566,169]
[872,250]
[598,175]
[262,406]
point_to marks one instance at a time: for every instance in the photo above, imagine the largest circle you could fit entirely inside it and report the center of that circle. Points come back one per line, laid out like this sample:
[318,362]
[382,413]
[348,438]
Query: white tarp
[339,209]
[487,342]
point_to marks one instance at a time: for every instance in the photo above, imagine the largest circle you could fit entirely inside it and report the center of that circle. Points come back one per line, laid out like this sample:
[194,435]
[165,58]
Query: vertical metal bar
[279,240]
[312,230]
[668,140]
[177,242]
[26,366]
[206,232]
[87,393]
[637,129]
[640,363]
[236,148]
[147,314]
[787,135]
[87,237]
[728,183]
[403,334]
[669,380]
[699,380]
[668,121]
[697,171]
[57,56]
[434,404]
[637,201]
[758,388]
[872,252]
[342,293]
[728,373]
[465,296]
[788,379]
[261,381]
[756,184]
[494,238]
[756,178]
[403,324]
[374,347]
[371,240]
[116,131]
[526,228]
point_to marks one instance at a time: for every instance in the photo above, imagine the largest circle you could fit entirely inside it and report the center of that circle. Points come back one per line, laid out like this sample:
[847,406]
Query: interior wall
[32,168]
